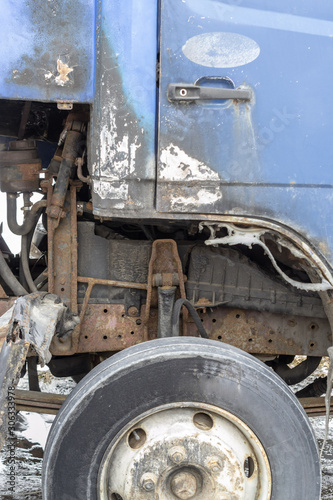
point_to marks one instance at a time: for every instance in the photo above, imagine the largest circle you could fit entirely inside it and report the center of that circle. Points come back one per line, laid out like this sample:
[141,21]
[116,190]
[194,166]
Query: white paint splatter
[202,197]
[221,50]
[117,153]
[106,189]
[250,237]
[177,165]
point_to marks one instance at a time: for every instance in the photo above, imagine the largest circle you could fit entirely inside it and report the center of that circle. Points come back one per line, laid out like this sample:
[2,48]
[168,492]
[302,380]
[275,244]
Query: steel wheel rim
[186,451]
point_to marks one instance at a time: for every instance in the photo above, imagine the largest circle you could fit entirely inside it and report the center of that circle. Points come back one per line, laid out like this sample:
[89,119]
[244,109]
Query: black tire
[163,371]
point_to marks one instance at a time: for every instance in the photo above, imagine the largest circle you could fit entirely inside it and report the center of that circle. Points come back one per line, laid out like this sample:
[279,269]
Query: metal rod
[85,301]
[121,284]
[44,402]
[51,225]
[166,299]
[73,215]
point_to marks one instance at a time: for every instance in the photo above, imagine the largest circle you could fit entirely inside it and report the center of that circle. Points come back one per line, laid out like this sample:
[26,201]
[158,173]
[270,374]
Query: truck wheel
[181,418]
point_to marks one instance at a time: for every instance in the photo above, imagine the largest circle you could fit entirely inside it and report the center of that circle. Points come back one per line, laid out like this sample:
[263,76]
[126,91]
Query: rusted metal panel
[106,328]
[266,333]
[63,247]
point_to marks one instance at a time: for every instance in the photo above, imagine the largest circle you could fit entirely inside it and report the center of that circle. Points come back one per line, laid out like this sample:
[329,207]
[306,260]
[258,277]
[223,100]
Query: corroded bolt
[148,481]
[184,485]
[132,311]
[215,464]
[177,454]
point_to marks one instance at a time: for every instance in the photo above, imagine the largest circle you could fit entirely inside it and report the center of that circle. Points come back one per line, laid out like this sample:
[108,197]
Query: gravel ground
[34,428]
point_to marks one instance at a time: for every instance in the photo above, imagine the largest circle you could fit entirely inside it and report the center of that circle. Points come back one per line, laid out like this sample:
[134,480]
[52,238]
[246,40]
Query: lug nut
[177,454]
[148,485]
[215,464]
[148,481]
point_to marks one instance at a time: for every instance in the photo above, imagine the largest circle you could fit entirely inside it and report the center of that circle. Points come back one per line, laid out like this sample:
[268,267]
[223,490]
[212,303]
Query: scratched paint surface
[270,157]
[124,111]
[47,49]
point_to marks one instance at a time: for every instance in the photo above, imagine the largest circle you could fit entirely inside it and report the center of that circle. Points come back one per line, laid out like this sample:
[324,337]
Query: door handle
[193,92]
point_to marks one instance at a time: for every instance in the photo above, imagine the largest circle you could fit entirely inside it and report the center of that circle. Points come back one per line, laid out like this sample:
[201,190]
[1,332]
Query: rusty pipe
[30,218]
[69,154]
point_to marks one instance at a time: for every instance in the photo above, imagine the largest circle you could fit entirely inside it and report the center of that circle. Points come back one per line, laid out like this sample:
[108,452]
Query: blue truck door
[242,156]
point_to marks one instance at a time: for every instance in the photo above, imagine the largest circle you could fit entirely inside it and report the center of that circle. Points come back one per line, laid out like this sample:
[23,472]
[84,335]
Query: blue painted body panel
[35,34]
[122,166]
[269,158]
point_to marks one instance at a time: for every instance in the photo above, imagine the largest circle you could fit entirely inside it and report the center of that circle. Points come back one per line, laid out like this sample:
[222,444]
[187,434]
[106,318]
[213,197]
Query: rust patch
[5,304]
[62,255]
[63,70]
[106,328]
[264,332]
[165,269]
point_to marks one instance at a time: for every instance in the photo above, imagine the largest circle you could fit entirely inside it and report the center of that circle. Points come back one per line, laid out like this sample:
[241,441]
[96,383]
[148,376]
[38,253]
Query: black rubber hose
[9,278]
[25,251]
[300,372]
[176,315]
[31,216]
[314,390]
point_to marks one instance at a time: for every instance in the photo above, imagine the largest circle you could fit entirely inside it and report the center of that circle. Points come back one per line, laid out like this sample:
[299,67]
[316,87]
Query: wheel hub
[185,451]
[184,485]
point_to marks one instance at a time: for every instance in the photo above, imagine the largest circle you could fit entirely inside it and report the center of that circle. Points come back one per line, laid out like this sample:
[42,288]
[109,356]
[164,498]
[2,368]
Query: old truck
[179,254]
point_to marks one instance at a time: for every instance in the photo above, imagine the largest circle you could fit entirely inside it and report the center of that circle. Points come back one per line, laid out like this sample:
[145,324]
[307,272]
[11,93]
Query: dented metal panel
[47,50]
[32,321]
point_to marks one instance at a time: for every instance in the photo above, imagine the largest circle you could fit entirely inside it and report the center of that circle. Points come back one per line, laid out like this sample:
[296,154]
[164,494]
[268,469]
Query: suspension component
[20,167]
